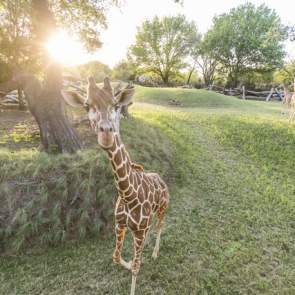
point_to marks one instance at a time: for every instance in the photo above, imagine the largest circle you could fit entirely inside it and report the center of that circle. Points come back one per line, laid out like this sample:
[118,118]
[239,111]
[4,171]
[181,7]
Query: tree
[14,39]
[39,19]
[207,66]
[204,62]
[163,44]
[248,38]
[93,68]
[286,74]
[124,71]
[15,32]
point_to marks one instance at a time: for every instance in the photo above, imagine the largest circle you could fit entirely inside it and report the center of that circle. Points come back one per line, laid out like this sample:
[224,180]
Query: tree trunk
[165,79]
[47,107]
[189,76]
[57,134]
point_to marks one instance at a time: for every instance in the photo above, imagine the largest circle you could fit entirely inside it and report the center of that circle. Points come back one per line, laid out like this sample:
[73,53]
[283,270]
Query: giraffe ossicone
[141,195]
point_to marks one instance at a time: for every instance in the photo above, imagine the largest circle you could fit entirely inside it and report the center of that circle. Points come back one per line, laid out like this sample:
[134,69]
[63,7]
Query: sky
[123,21]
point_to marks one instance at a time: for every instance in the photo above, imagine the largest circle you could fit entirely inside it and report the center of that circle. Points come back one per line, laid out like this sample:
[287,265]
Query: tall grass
[50,199]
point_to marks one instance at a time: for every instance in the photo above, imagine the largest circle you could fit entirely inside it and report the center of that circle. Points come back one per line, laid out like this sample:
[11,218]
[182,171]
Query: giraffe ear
[73,98]
[107,85]
[124,97]
[91,82]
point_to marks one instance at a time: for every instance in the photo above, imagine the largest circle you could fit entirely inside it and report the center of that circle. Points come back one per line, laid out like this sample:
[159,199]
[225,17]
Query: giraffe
[141,195]
[287,96]
[289,100]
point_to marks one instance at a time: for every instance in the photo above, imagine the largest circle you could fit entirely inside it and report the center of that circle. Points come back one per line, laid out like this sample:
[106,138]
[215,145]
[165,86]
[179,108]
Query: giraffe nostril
[111,129]
[101,129]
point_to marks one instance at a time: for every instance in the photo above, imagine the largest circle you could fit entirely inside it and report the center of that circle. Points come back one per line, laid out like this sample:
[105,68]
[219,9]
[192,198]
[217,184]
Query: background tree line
[244,46]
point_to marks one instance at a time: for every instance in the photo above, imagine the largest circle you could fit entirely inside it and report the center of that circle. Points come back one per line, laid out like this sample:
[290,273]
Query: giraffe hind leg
[160,222]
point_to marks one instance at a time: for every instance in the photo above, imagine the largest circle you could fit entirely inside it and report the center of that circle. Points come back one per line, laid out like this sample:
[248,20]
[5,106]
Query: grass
[230,227]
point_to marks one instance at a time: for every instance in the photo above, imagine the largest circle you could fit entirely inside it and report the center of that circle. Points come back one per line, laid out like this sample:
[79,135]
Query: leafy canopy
[286,74]
[93,68]
[124,70]
[83,18]
[163,44]
[247,38]
[25,24]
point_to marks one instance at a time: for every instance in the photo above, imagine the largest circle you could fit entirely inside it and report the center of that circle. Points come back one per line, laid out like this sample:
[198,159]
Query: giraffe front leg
[120,236]
[138,243]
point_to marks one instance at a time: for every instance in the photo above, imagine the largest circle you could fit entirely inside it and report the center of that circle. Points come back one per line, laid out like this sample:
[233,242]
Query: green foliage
[48,200]
[84,19]
[124,71]
[203,60]
[248,38]
[163,44]
[258,80]
[93,68]
[26,23]
[286,74]
[5,72]
[15,33]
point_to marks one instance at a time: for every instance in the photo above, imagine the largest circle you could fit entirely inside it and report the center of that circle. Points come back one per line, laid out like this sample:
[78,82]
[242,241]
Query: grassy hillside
[49,199]
[230,227]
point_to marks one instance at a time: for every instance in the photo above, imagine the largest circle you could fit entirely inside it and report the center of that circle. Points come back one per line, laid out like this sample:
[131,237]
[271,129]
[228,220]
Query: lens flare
[65,50]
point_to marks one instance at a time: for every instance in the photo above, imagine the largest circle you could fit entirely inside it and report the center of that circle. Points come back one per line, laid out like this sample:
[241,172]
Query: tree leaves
[245,39]
[163,44]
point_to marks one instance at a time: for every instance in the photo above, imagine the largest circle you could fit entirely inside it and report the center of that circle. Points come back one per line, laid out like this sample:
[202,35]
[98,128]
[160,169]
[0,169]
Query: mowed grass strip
[230,227]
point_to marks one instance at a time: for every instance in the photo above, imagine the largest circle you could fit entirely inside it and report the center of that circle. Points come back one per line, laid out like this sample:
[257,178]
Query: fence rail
[274,92]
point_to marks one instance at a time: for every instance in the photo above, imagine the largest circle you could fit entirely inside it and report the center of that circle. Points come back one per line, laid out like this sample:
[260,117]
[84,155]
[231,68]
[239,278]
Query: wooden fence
[273,93]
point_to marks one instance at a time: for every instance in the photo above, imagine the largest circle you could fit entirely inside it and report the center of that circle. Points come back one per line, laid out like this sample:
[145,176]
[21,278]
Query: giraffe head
[103,105]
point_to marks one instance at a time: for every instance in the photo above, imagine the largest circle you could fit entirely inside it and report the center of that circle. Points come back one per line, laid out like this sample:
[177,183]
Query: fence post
[279,94]
[270,94]
[244,92]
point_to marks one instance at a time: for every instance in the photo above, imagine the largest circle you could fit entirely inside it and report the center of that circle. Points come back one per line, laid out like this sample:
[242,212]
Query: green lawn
[230,227]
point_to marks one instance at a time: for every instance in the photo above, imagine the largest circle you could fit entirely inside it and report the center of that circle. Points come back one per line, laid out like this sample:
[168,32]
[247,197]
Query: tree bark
[190,75]
[165,79]
[57,134]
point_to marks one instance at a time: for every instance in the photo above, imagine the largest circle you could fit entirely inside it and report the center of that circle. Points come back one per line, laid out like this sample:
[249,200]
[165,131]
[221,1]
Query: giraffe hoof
[129,265]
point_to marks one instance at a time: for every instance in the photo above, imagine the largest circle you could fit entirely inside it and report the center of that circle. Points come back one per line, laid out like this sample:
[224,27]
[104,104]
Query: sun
[65,50]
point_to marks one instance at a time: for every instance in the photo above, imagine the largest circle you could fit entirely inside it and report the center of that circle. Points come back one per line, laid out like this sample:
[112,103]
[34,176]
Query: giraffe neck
[125,177]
